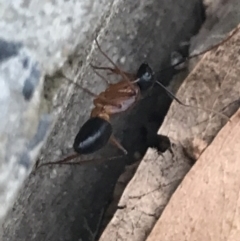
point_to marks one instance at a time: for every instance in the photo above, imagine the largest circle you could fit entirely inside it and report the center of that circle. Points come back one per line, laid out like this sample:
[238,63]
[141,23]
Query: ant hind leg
[63,161]
[116,143]
[66,161]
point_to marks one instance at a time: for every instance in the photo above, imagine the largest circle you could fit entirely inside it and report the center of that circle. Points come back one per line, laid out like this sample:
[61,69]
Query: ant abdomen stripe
[92,136]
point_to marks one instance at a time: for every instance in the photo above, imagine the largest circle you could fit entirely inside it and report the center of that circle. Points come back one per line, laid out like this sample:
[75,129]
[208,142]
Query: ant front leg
[91,93]
[114,71]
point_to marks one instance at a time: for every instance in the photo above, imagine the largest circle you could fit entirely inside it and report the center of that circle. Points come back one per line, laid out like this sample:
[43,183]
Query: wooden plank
[206,206]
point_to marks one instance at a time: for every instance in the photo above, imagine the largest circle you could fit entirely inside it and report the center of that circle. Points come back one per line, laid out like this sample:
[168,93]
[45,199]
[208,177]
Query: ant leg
[216,45]
[104,68]
[79,86]
[63,161]
[205,51]
[115,66]
[116,143]
[91,93]
[114,71]
[197,107]
[101,76]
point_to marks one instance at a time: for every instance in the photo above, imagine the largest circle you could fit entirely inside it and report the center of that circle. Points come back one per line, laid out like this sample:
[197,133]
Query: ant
[97,131]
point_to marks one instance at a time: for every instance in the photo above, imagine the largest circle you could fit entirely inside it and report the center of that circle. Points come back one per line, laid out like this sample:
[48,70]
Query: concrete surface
[35,39]
[51,29]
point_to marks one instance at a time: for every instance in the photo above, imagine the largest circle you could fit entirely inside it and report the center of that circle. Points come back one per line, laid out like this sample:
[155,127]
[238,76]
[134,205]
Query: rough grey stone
[52,29]
[35,39]
[8,49]
[19,117]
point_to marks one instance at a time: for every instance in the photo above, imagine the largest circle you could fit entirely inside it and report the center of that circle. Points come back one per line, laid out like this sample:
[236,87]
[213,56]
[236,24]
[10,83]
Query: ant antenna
[191,106]
[193,56]
[205,51]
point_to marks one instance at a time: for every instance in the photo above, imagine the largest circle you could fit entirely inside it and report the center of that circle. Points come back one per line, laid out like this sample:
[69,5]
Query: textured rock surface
[209,210]
[67,203]
[51,29]
[35,39]
[23,126]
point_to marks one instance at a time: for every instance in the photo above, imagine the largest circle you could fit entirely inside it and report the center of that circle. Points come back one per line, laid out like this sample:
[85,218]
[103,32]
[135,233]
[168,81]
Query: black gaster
[92,136]
[146,77]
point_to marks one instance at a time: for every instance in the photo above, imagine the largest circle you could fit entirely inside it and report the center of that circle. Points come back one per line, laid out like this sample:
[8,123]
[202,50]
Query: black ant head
[145,76]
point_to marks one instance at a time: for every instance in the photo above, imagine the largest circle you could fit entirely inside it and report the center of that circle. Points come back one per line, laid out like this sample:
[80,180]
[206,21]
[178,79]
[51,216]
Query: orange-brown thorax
[115,99]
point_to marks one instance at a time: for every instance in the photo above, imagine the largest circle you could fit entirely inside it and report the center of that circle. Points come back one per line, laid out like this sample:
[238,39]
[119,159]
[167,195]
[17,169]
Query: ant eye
[147,75]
